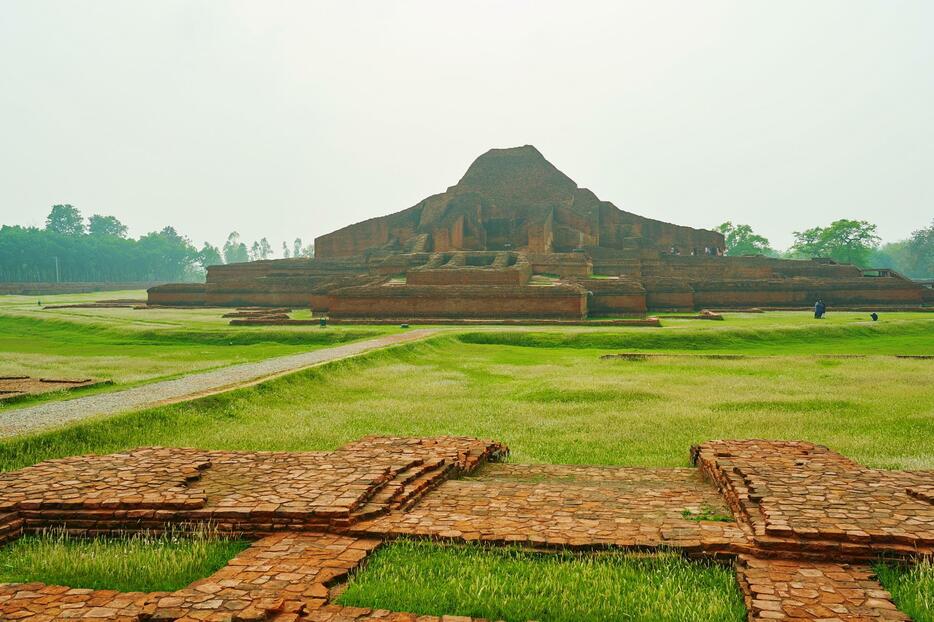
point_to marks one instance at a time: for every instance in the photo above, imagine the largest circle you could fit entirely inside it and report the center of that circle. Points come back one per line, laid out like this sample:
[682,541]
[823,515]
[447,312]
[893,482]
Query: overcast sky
[285,119]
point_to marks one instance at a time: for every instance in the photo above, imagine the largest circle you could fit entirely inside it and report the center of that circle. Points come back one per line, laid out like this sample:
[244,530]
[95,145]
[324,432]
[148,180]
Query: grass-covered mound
[516,585]
[32,332]
[850,333]
[137,563]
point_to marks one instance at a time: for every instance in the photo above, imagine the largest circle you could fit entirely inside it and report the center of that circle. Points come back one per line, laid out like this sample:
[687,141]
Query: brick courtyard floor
[799,521]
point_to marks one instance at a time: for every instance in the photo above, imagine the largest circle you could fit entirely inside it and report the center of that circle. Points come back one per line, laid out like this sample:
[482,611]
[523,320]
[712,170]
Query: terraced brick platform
[572,507]
[799,520]
[803,498]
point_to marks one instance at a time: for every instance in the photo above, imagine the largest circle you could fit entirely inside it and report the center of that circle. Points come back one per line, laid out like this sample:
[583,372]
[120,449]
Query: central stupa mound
[512,199]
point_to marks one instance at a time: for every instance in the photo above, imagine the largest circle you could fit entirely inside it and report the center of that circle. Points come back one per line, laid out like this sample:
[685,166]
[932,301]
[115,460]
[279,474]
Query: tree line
[71,248]
[844,241]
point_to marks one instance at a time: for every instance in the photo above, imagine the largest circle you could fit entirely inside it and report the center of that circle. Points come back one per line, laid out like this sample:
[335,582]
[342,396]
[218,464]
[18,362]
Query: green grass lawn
[553,404]
[131,346]
[515,585]
[138,563]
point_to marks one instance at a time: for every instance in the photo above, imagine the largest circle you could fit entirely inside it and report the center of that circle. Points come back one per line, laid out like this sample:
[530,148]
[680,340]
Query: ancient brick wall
[230,297]
[611,296]
[617,225]
[669,301]
[355,239]
[297,267]
[467,276]
[804,291]
[177,294]
[540,236]
[450,237]
[562,264]
[668,294]
[703,268]
[404,301]
[609,304]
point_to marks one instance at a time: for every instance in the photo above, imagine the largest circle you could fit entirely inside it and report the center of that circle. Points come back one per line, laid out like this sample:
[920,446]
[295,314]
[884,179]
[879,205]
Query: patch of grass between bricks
[516,585]
[133,563]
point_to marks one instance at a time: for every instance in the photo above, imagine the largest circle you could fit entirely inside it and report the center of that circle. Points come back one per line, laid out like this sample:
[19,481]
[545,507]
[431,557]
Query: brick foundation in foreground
[805,521]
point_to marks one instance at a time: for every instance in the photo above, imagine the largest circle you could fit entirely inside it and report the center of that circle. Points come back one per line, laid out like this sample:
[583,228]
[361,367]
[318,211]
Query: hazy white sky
[285,119]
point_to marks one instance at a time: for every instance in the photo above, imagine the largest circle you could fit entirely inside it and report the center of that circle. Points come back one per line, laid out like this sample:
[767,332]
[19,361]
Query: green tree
[260,250]
[235,251]
[28,254]
[845,241]
[265,249]
[920,253]
[300,250]
[741,240]
[106,225]
[285,250]
[912,257]
[65,219]
[209,256]
[891,255]
[167,255]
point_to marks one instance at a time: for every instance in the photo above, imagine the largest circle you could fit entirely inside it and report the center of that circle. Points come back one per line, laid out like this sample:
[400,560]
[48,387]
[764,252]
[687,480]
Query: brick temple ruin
[517,238]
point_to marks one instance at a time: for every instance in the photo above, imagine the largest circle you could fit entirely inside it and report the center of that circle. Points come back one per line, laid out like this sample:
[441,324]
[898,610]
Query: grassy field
[132,346]
[550,396]
[515,585]
[559,404]
[766,334]
[137,563]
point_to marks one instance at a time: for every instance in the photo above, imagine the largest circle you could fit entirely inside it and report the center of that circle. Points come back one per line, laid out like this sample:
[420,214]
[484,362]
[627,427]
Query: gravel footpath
[50,414]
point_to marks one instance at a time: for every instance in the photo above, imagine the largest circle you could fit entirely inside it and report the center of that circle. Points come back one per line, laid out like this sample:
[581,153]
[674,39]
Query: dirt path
[52,414]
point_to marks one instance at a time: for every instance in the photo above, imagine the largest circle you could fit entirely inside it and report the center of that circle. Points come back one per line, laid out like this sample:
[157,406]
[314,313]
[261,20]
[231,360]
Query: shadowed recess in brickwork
[924,492]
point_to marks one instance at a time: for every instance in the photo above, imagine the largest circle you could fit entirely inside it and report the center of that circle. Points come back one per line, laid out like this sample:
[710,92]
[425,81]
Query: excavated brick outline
[806,521]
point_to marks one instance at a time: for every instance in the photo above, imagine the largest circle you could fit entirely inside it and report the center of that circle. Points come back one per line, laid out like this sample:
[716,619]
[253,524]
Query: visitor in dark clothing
[819,309]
